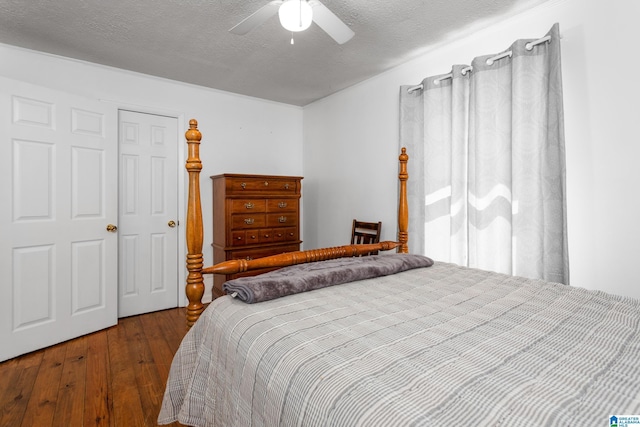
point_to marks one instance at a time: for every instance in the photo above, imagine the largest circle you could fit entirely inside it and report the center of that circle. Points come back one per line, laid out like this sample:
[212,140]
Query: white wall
[351,138]
[232,125]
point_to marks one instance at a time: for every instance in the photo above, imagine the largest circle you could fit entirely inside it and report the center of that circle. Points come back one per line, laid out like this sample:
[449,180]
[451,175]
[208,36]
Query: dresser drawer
[286,234]
[267,235]
[250,254]
[263,236]
[282,205]
[282,220]
[259,185]
[291,234]
[248,205]
[248,237]
[257,236]
[248,220]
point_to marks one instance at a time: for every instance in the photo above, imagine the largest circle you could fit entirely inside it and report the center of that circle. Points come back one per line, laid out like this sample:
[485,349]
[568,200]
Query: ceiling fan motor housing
[295,15]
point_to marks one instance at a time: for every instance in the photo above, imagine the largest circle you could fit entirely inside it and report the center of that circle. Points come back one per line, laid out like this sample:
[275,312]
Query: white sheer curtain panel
[487,186]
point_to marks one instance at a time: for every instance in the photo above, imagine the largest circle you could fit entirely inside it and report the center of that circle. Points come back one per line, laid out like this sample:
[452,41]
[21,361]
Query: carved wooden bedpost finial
[403,209]
[195,284]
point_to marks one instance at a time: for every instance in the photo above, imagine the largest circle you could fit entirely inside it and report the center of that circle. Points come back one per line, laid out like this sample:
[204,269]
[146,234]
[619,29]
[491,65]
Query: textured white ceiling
[188,40]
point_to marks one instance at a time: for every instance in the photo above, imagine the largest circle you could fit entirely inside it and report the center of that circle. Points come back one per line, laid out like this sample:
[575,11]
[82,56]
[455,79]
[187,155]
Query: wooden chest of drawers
[253,216]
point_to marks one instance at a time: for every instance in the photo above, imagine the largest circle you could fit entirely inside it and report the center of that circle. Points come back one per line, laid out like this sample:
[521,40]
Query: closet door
[148,219]
[58,186]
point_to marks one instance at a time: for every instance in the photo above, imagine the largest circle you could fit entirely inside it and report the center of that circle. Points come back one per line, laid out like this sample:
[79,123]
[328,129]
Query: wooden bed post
[195,284]
[403,208]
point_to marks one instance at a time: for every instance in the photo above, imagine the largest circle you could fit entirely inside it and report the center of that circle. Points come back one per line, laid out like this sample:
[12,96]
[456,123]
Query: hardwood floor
[114,377]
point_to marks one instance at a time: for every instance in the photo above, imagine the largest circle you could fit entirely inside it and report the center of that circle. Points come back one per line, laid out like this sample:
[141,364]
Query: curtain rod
[499,56]
[490,61]
[464,72]
[530,45]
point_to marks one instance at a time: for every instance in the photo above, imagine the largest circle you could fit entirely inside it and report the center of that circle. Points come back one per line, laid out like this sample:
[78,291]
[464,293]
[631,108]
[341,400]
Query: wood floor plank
[164,331]
[6,367]
[44,399]
[150,384]
[177,319]
[156,329]
[127,408]
[98,404]
[8,370]
[21,381]
[70,405]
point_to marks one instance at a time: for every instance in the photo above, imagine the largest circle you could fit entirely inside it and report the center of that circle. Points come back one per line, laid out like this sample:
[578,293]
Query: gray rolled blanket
[316,275]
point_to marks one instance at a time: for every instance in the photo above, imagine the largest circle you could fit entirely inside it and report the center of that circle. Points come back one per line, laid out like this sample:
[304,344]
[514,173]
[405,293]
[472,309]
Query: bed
[427,343]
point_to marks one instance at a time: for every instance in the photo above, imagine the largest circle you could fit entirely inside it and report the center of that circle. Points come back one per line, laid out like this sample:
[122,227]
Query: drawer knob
[266,236]
[243,185]
[253,236]
[238,238]
[286,186]
[249,258]
[249,221]
[282,219]
[266,183]
[249,205]
[282,205]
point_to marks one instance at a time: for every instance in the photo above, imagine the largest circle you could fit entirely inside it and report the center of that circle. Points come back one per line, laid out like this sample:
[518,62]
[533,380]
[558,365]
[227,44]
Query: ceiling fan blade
[330,23]
[257,18]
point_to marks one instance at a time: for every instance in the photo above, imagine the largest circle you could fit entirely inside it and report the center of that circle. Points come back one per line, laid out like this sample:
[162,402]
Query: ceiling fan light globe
[295,15]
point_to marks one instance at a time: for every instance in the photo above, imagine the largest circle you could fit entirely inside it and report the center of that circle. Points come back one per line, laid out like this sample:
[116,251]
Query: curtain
[487,168]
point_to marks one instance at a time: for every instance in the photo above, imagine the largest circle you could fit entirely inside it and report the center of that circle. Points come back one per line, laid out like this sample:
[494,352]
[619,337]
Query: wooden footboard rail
[194,234]
[299,257]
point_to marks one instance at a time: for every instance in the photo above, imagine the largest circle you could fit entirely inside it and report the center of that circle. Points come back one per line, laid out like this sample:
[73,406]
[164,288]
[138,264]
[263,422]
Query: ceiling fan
[296,15]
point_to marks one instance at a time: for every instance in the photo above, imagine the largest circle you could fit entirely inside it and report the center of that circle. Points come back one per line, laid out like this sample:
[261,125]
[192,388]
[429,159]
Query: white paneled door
[148,223]
[58,193]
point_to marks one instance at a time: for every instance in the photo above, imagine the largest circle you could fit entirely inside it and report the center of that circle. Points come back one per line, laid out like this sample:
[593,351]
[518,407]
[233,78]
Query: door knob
[112,228]
[171,223]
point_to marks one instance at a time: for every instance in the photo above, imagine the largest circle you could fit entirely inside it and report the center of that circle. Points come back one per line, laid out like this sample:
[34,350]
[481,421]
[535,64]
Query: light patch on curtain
[482,203]
[440,194]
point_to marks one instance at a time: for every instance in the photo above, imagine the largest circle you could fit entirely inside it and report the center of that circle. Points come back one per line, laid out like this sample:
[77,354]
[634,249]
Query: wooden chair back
[365,233]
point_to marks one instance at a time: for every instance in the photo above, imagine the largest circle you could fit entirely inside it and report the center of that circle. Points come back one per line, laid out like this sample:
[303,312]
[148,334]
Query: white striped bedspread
[444,345]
